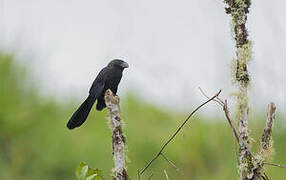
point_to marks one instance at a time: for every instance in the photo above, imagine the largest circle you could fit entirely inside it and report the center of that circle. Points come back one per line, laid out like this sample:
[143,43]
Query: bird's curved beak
[125,65]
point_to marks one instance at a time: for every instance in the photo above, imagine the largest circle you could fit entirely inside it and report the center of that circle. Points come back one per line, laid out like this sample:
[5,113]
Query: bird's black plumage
[108,78]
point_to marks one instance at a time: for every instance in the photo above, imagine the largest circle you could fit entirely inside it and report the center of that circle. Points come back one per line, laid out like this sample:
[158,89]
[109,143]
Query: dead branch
[118,139]
[235,134]
[216,99]
[266,142]
[226,111]
[177,131]
[241,143]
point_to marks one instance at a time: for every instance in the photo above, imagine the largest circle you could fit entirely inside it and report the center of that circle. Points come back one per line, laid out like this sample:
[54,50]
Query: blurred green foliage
[35,143]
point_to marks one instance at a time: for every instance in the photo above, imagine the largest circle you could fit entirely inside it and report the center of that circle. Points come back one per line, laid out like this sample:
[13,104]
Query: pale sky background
[173,47]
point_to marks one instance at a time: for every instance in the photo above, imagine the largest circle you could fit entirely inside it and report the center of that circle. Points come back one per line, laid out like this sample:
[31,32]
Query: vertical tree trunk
[118,139]
[238,9]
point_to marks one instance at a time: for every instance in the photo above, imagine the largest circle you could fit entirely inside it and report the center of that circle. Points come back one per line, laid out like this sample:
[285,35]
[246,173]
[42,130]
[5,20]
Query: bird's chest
[112,81]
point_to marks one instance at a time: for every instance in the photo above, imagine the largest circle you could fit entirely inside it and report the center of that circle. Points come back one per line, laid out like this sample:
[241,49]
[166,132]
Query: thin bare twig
[235,135]
[277,165]
[172,164]
[238,139]
[216,99]
[165,172]
[177,131]
[226,112]
[236,150]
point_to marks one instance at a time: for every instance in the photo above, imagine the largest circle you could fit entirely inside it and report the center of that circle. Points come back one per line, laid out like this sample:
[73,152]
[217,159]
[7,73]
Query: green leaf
[84,172]
[92,177]
[81,171]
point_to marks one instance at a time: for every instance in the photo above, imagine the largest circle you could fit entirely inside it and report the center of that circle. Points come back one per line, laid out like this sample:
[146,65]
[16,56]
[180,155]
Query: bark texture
[118,139]
[266,138]
[238,9]
[250,166]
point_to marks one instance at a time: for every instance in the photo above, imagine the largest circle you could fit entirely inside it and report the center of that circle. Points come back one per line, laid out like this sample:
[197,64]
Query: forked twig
[223,104]
[177,131]
[226,112]
[216,99]
[172,164]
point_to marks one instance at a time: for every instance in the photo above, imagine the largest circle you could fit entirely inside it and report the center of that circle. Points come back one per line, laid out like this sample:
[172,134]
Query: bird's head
[118,64]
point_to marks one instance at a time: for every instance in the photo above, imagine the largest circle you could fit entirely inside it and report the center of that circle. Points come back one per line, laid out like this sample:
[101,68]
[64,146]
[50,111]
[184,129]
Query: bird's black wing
[98,84]
[79,117]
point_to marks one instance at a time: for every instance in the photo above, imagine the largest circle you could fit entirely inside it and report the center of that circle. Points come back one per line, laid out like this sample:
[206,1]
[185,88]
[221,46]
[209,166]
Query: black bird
[108,78]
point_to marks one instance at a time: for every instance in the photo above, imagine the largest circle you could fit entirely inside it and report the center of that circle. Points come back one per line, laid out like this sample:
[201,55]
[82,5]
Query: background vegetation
[35,143]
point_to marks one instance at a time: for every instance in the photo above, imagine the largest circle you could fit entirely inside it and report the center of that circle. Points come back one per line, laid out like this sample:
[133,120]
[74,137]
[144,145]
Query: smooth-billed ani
[108,78]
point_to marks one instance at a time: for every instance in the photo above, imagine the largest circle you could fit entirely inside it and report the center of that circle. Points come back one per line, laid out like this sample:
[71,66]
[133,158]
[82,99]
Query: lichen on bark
[118,138]
[238,9]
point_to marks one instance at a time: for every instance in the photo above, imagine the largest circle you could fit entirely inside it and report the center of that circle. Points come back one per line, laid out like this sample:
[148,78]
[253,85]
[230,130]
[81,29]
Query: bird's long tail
[79,117]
